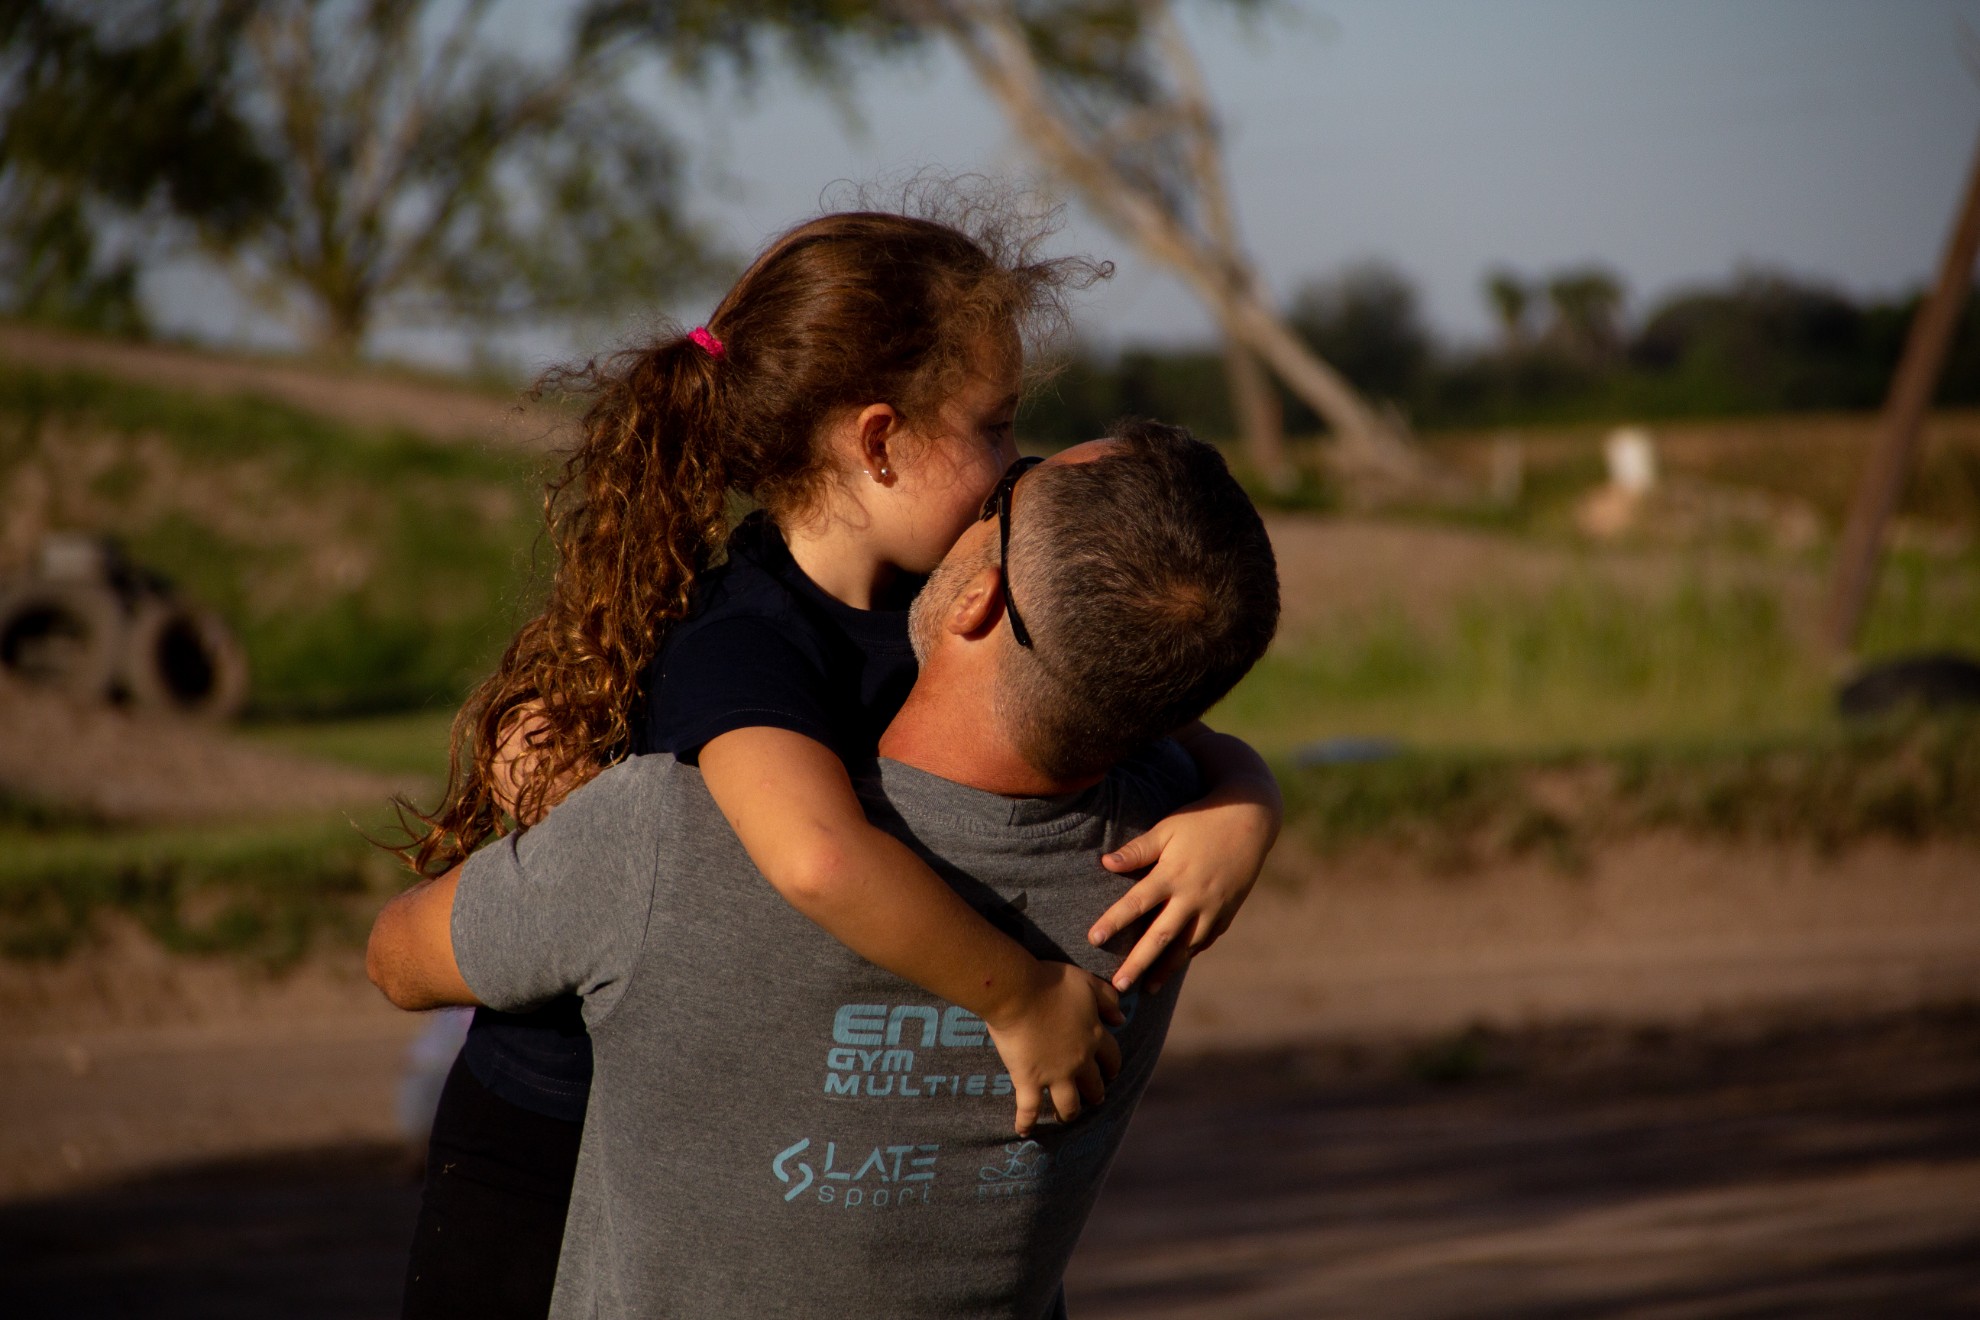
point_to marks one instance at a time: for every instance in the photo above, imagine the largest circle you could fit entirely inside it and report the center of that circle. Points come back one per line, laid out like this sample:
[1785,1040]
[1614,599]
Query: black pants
[491,1218]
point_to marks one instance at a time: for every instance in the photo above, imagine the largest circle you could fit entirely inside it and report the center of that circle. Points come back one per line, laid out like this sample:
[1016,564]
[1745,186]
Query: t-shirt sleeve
[736,673]
[1156,780]
[562,907]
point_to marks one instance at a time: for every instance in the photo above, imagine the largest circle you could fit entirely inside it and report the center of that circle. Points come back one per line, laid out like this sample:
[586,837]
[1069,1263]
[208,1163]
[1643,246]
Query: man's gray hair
[1149,588]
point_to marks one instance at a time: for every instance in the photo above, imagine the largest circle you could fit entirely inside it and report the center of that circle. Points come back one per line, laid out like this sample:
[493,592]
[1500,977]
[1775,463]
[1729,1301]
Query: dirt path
[157,768]
[367,398]
[1829,1173]
[126,1060]
[1660,929]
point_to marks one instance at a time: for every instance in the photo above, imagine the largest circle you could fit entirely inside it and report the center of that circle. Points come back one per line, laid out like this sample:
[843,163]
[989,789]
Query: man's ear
[974,610]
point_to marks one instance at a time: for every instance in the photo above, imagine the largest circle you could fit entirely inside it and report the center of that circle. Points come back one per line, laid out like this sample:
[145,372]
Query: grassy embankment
[372,575]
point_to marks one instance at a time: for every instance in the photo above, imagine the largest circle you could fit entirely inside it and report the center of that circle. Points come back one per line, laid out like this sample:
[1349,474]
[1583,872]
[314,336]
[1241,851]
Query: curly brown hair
[842,311]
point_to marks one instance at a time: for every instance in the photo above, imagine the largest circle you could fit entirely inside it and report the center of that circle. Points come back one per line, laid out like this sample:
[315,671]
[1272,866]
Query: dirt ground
[1650,1107]
[365,397]
[121,766]
[1824,1172]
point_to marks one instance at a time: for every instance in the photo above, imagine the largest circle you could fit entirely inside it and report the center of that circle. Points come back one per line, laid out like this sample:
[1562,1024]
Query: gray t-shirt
[777,1127]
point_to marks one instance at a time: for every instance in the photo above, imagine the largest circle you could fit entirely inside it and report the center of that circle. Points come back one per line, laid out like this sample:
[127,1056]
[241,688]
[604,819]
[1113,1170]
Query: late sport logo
[857,1176]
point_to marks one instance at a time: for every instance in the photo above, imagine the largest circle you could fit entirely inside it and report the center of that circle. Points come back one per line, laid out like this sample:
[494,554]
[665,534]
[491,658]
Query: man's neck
[950,731]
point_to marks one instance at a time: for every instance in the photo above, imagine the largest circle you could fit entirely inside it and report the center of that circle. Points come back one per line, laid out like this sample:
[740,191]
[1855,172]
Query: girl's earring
[884,474]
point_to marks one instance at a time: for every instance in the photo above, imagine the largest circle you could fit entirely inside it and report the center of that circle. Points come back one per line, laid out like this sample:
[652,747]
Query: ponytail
[635,514]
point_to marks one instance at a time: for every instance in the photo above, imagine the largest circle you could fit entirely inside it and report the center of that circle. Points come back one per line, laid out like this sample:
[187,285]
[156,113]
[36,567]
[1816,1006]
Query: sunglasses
[998,506]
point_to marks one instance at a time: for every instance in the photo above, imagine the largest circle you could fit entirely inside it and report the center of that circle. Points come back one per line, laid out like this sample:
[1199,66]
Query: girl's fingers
[1129,908]
[1067,1096]
[1136,852]
[1107,1001]
[1150,947]
[1092,1088]
[1028,1100]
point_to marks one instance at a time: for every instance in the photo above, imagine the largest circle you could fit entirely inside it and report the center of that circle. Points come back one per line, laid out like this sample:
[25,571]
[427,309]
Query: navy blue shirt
[764,646]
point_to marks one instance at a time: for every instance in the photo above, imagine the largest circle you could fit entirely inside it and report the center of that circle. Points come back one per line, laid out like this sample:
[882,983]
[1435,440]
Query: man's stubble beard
[931,604]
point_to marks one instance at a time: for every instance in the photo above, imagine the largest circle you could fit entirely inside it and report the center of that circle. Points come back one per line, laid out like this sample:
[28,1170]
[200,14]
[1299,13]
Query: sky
[1673,141]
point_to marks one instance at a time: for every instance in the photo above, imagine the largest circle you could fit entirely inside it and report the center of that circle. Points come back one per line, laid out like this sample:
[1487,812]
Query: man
[777,1127]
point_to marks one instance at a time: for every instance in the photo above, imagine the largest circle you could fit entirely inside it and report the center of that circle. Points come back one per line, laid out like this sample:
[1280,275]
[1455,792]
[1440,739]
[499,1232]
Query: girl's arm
[1206,858]
[790,801]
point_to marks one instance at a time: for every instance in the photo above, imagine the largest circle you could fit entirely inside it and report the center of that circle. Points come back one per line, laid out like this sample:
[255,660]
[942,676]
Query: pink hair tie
[708,342]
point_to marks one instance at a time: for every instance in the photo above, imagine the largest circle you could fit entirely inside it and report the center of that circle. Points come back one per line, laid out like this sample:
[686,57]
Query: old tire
[1944,680]
[181,659]
[68,636]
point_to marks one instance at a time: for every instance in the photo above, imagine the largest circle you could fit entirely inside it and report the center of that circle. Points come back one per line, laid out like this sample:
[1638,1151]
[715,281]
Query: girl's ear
[874,432]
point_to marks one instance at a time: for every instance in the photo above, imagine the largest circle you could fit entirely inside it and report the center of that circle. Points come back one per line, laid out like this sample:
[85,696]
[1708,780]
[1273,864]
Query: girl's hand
[1206,858]
[1054,1039]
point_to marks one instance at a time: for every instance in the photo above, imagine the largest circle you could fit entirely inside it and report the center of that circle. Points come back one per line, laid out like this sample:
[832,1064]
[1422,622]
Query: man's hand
[410,955]
[1054,1039]
[1206,858]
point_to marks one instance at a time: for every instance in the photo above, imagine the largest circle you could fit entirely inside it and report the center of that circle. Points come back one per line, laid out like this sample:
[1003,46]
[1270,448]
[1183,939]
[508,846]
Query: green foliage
[1905,781]
[1582,662]
[1364,323]
[1762,342]
[1451,1060]
[1092,390]
[92,127]
[406,743]
[363,570]
[267,893]
[421,170]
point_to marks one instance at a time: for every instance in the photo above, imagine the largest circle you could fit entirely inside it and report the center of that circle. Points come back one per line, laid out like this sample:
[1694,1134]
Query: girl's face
[943,477]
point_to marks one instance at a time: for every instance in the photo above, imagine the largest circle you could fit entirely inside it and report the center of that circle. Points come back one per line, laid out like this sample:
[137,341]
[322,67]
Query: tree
[1510,297]
[385,158]
[1853,578]
[93,129]
[1366,322]
[1108,95]
[1587,305]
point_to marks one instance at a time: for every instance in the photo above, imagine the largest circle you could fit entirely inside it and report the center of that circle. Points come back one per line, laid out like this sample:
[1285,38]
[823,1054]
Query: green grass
[1907,780]
[414,742]
[1585,665]
[266,892]
[262,892]
[365,570]
[1577,665]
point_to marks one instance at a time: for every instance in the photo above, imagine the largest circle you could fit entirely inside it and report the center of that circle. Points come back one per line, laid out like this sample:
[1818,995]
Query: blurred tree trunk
[995,41]
[1861,549]
[1254,404]
[1261,422]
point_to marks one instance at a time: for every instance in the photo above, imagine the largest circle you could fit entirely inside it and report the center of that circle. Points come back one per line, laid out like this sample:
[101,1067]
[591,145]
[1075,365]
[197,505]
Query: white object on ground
[1632,457]
[428,1060]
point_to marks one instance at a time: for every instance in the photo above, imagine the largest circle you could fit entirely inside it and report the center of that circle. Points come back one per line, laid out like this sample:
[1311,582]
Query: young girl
[859,383]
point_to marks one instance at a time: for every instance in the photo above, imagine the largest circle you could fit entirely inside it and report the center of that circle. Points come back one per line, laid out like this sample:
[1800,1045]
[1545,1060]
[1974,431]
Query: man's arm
[411,952]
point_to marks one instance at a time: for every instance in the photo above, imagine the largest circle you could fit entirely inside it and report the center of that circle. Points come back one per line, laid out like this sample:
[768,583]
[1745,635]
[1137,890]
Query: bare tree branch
[994,44]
